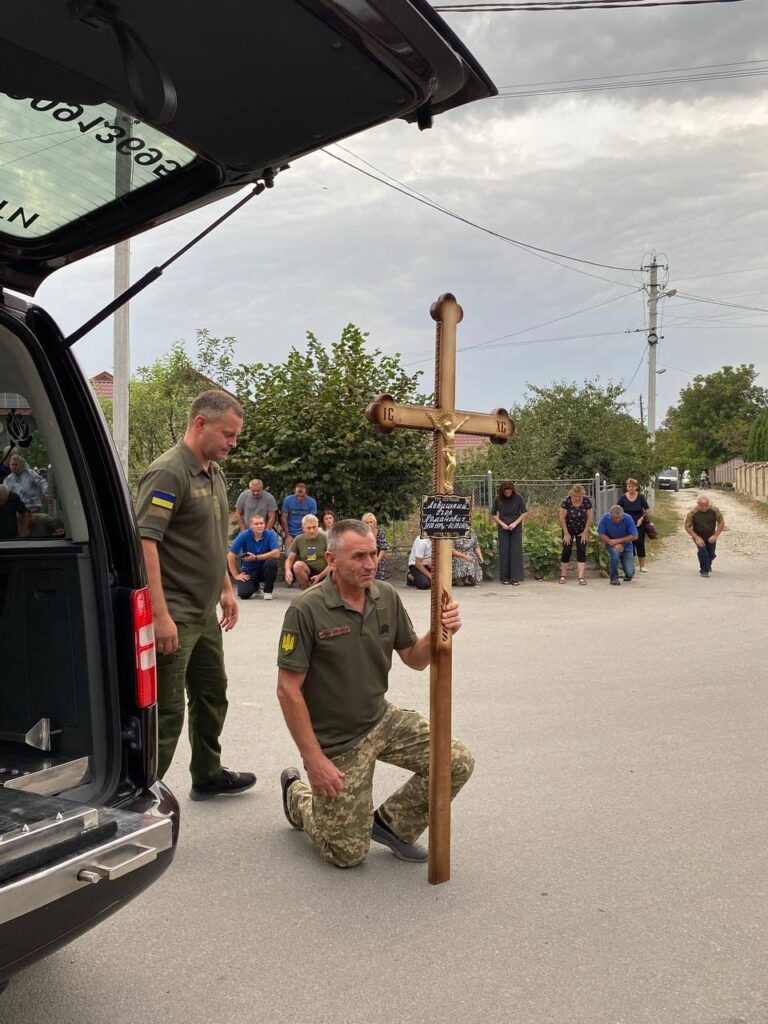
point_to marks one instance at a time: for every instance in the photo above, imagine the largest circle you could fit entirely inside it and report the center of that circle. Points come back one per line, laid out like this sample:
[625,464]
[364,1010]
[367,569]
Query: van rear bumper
[27,937]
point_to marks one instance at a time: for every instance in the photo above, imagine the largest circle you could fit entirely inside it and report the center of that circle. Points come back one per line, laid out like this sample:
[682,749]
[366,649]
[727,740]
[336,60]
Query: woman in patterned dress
[381,543]
[467,560]
[575,520]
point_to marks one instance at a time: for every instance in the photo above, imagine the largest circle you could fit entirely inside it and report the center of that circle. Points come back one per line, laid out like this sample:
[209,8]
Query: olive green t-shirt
[703,522]
[185,509]
[346,657]
[311,551]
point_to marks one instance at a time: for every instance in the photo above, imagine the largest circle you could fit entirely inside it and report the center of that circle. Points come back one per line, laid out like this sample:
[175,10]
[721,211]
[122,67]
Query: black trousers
[581,549]
[420,579]
[264,572]
[640,542]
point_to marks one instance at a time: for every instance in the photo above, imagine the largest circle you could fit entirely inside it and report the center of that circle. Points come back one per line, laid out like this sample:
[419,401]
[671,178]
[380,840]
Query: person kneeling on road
[704,523]
[618,533]
[306,559]
[334,658]
[259,552]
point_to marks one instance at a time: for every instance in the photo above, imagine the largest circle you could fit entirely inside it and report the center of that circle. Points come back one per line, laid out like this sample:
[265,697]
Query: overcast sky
[605,176]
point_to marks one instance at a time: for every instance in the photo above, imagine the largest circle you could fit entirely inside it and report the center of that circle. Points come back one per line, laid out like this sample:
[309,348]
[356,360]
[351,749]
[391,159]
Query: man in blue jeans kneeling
[617,531]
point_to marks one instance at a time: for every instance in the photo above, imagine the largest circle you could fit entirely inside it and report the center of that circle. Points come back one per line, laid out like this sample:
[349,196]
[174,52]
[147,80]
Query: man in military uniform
[334,658]
[182,511]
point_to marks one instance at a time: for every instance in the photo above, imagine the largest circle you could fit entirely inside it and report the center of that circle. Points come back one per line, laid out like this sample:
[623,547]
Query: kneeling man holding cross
[334,660]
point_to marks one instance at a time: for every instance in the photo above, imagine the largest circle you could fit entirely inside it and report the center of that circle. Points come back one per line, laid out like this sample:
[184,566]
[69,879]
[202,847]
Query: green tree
[670,446]
[160,395]
[757,443]
[715,413]
[305,420]
[572,430]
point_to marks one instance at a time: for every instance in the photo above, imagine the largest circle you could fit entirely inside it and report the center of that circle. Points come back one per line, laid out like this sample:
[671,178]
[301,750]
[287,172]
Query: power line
[579,5]
[637,370]
[630,74]
[636,84]
[534,327]
[547,323]
[544,254]
[720,302]
[724,273]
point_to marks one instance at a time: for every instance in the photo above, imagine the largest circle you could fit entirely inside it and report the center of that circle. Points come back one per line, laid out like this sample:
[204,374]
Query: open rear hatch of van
[116,115]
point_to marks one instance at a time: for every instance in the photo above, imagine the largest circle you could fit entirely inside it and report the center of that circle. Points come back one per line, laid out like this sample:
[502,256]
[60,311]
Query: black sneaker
[628,579]
[381,833]
[615,581]
[287,778]
[227,783]
[702,573]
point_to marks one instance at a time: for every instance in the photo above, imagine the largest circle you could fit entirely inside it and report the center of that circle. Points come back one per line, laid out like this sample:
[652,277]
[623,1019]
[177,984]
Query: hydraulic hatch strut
[155,272]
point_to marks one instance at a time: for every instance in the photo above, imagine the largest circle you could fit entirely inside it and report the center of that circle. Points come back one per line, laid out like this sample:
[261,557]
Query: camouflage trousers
[340,827]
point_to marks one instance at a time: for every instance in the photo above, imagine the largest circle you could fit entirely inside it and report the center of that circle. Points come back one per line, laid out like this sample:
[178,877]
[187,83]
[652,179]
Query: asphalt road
[609,861]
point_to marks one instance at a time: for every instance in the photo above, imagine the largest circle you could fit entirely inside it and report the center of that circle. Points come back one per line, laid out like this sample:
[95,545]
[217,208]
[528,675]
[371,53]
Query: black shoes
[381,833]
[287,778]
[227,783]
[615,581]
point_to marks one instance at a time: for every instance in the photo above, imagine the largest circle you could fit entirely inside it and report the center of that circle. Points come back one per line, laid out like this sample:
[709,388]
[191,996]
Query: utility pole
[653,341]
[121,344]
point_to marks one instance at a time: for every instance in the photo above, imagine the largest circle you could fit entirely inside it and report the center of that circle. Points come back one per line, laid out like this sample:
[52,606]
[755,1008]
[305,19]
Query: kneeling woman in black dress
[509,514]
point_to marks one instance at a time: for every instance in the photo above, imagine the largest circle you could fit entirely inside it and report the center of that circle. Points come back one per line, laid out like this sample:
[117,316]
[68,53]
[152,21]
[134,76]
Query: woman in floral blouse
[467,560]
[575,520]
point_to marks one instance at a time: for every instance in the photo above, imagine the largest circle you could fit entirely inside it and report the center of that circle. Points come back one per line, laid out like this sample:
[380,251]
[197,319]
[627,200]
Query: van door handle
[116,863]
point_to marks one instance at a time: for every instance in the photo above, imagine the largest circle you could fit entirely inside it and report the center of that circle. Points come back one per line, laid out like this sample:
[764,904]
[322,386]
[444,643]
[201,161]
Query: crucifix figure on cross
[445,422]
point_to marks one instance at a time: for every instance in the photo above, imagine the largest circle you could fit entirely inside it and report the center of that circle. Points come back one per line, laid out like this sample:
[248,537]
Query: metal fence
[483,488]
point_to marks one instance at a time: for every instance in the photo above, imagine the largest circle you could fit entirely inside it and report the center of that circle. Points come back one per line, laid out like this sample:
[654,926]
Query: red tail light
[144,646]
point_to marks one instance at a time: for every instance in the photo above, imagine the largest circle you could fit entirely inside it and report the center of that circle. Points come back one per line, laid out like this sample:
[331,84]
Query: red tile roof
[103,384]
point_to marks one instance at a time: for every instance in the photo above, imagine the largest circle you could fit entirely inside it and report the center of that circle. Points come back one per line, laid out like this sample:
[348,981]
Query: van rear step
[35,830]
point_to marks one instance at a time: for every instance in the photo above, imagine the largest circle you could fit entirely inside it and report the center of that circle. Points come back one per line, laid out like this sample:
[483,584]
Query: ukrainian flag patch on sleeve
[163,499]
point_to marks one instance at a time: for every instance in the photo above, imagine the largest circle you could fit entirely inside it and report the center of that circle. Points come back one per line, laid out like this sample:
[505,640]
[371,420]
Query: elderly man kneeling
[617,531]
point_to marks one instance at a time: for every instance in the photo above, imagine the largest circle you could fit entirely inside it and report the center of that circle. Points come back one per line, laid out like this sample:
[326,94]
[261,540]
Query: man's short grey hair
[310,520]
[19,458]
[616,508]
[337,531]
[213,405]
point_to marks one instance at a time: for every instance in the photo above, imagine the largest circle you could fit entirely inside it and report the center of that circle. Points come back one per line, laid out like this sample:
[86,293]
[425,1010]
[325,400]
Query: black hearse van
[117,115]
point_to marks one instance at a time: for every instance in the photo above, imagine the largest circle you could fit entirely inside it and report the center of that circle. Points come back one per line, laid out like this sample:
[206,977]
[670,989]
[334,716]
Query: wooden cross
[445,422]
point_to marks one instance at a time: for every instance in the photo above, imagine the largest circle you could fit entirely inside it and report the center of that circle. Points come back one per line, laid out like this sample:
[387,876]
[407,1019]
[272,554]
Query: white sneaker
[642,570]
[267,597]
